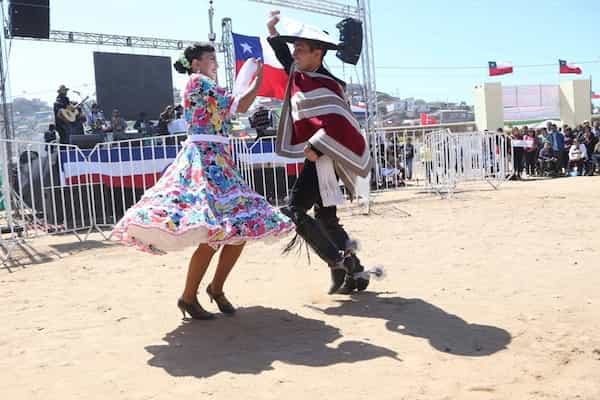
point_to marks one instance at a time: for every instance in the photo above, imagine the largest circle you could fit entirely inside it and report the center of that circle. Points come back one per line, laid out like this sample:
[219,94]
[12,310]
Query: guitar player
[63,126]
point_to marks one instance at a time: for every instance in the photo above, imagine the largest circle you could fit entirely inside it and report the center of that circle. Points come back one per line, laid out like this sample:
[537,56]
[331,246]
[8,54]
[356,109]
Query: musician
[117,122]
[63,126]
[95,119]
[143,125]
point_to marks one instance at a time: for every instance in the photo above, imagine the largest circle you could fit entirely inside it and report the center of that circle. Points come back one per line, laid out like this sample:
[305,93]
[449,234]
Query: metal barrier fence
[451,159]
[60,189]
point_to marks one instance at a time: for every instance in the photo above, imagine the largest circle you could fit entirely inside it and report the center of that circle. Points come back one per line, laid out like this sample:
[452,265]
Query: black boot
[317,238]
[353,281]
[351,261]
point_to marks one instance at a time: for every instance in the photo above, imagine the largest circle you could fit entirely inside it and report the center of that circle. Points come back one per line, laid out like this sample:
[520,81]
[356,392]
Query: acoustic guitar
[71,112]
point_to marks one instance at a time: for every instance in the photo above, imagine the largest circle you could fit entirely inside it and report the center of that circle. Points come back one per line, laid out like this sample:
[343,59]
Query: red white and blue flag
[500,68]
[131,167]
[568,68]
[142,167]
[274,76]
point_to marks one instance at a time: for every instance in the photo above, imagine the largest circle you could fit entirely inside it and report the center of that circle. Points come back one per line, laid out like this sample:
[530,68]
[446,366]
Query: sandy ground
[489,295]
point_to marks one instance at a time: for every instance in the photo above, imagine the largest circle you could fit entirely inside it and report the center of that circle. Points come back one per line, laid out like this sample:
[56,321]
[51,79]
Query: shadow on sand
[414,317]
[250,342]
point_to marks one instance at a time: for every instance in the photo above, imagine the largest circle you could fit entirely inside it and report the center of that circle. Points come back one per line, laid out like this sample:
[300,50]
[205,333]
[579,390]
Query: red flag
[275,78]
[568,68]
[427,119]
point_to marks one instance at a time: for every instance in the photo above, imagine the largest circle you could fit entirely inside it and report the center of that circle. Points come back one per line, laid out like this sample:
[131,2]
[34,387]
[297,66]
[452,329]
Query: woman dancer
[201,200]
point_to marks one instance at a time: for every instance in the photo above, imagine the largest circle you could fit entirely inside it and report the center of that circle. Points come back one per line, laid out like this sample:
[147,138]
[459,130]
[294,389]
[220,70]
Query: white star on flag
[246,47]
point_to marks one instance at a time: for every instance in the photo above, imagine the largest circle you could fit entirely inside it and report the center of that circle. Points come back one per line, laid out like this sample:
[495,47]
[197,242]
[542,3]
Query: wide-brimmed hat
[61,88]
[301,31]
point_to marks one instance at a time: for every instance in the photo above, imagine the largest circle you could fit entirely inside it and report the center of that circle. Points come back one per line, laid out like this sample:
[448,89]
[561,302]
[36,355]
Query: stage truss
[361,11]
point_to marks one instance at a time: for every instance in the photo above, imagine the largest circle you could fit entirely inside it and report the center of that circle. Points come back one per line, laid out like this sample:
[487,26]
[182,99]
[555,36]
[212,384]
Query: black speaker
[351,39]
[30,18]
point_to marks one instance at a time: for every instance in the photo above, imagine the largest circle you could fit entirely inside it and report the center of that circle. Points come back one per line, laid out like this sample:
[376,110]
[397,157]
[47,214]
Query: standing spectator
[50,134]
[409,154]
[589,141]
[558,143]
[531,150]
[596,129]
[163,122]
[569,137]
[517,148]
[178,111]
[596,156]
[579,132]
[544,136]
[577,156]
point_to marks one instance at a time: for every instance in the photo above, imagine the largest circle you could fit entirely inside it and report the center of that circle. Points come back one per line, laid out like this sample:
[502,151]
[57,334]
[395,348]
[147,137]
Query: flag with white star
[274,76]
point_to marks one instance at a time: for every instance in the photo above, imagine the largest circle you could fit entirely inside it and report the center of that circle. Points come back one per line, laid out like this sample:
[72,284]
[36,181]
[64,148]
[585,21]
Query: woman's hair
[195,51]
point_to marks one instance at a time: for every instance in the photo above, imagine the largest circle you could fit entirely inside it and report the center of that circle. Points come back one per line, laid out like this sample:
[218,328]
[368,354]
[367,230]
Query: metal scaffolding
[227,44]
[102,39]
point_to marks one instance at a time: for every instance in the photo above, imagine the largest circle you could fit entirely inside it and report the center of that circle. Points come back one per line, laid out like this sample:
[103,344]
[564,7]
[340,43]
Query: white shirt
[582,151]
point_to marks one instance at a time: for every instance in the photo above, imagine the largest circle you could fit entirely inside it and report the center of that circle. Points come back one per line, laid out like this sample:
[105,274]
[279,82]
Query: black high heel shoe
[224,305]
[194,310]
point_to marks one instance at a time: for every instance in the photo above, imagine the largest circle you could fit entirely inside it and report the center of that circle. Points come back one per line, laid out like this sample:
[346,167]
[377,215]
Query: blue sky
[429,33]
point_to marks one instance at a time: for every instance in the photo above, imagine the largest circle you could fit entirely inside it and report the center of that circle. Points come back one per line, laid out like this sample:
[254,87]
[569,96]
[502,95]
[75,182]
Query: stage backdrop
[133,83]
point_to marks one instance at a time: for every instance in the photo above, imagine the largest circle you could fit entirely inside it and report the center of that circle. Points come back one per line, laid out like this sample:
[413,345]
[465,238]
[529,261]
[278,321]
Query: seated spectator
[547,161]
[577,157]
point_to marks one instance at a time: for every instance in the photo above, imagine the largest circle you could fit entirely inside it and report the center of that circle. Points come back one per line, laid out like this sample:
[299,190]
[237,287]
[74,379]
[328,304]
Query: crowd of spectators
[556,151]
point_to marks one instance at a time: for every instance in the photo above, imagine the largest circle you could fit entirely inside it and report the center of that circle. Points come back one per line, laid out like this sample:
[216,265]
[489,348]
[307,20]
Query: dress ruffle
[201,198]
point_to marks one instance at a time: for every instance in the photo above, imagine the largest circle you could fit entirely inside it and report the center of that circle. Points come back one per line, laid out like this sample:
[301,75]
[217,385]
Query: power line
[467,67]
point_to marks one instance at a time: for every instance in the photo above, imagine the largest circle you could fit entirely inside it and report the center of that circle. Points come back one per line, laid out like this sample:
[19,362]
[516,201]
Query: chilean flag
[500,68]
[595,95]
[275,78]
[427,119]
[567,68]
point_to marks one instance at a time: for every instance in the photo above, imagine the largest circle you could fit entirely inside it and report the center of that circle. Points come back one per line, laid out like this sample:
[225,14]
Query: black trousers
[304,196]
[530,161]
[518,154]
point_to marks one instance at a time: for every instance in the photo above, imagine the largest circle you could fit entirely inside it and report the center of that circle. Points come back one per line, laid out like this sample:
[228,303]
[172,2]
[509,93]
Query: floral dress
[201,197]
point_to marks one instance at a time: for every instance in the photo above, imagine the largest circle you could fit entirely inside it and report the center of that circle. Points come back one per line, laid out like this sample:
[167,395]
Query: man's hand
[310,154]
[273,22]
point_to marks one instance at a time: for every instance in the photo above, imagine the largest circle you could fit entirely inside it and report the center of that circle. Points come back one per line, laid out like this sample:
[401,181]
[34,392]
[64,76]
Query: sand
[489,295]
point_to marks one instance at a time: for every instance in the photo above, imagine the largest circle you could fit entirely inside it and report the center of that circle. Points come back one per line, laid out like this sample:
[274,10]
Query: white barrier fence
[60,189]
[452,159]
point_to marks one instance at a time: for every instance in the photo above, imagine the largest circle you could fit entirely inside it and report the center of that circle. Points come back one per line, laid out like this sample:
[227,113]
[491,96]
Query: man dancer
[316,123]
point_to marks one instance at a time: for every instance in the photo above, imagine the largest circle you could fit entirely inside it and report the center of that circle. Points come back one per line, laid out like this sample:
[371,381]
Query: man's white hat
[298,30]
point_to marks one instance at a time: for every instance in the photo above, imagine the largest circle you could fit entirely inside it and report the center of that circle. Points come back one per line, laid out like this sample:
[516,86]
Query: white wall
[489,112]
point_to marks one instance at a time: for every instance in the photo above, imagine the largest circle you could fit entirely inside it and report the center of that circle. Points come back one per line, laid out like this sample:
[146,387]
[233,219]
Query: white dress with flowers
[201,198]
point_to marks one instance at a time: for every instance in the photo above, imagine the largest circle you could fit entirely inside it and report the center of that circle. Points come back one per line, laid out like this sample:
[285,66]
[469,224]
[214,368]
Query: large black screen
[133,84]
